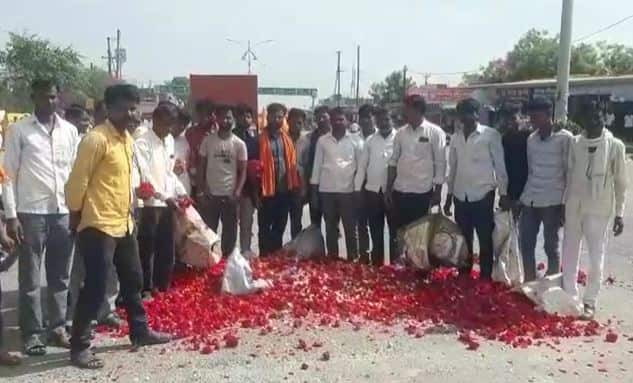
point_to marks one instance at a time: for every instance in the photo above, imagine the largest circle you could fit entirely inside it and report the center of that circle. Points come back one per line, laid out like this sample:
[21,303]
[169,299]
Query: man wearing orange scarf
[280,178]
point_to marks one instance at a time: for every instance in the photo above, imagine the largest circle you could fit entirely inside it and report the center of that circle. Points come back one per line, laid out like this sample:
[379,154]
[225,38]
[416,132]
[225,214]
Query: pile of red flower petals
[328,293]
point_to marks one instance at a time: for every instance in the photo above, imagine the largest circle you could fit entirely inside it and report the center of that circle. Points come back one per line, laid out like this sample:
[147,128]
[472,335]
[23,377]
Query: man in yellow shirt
[99,197]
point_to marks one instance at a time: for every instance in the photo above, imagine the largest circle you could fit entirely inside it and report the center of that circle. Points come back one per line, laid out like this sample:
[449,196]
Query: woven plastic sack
[196,244]
[238,276]
[548,295]
[508,265]
[433,241]
[308,243]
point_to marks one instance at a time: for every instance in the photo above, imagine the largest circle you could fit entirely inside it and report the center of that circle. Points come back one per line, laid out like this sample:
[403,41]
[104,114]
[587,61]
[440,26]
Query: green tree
[535,56]
[617,59]
[92,82]
[26,57]
[391,89]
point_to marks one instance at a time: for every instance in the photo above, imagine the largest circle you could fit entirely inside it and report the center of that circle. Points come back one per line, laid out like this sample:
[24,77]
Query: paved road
[368,355]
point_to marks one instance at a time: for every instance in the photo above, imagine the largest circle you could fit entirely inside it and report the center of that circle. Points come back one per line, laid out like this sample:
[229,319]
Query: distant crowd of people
[73,195]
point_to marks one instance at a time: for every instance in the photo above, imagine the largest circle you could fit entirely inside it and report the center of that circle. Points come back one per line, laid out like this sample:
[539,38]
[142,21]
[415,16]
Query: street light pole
[564,59]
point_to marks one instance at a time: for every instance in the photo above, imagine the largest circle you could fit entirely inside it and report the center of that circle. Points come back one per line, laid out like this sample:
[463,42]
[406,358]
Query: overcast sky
[170,38]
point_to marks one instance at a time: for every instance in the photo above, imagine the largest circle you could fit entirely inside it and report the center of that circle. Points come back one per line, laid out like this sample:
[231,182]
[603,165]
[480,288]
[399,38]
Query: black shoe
[151,338]
[112,320]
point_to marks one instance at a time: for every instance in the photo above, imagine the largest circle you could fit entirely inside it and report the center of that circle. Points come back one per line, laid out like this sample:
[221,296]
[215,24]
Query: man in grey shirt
[542,197]
[222,176]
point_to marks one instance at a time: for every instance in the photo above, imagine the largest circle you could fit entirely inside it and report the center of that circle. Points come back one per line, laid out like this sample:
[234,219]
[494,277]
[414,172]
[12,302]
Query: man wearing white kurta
[595,196]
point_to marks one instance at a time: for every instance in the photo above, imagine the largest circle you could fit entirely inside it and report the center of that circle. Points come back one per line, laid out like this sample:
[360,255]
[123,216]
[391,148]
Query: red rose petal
[315,293]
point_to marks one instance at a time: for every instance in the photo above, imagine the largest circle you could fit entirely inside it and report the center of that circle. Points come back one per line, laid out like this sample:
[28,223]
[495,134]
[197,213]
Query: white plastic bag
[238,276]
[508,265]
[196,244]
[308,243]
[548,295]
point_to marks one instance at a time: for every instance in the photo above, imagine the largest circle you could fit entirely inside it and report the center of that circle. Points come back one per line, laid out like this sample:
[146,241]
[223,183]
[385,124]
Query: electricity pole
[118,54]
[564,57]
[404,82]
[357,75]
[109,58]
[337,82]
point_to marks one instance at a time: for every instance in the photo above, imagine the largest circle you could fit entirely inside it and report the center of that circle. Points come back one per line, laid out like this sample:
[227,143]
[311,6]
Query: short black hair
[417,102]
[223,109]
[296,113]
[205,105]
[126,92]
[74,112]
[165,110]
[321,109]
[338,111]
[467,106]
[276,107]
[540,104]
[366,110]
[99,105]
[244,109]
[509,109]
[44,84]
[183,117]
[380,111]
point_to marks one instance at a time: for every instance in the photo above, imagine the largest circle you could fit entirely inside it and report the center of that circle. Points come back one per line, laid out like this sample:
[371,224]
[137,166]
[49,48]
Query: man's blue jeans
[43,234]
[529,226]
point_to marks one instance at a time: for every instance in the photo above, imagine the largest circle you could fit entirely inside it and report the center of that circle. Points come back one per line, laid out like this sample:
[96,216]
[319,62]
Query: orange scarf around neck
[268,163]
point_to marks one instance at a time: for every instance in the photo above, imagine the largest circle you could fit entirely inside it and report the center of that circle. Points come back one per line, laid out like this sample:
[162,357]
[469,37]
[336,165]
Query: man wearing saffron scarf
[280,178]
[596,190]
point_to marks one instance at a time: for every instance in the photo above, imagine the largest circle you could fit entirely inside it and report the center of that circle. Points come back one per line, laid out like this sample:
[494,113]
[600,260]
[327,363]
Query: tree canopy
[26,57]
[535,56]
[391,89]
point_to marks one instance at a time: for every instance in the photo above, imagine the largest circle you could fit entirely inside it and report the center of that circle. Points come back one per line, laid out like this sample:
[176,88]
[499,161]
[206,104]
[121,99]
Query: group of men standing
[61,191]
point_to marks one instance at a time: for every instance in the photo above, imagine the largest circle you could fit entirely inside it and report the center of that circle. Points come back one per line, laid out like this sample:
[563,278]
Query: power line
[585,37]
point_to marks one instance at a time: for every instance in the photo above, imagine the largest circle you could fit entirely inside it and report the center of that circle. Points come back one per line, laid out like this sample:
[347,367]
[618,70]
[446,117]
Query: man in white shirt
[417,168]
[371,179]
[182,151]
[477,169]
[222,174]
[367,124]
[628,121]
[40,151]
[335,164]
[542,197]
[155,148]
[596,191]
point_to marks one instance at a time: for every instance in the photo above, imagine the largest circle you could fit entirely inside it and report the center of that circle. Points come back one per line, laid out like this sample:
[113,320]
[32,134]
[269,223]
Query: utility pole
[337,82]
[564,57]
[118,54]
[109,58]
[357,75]
[404,82]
